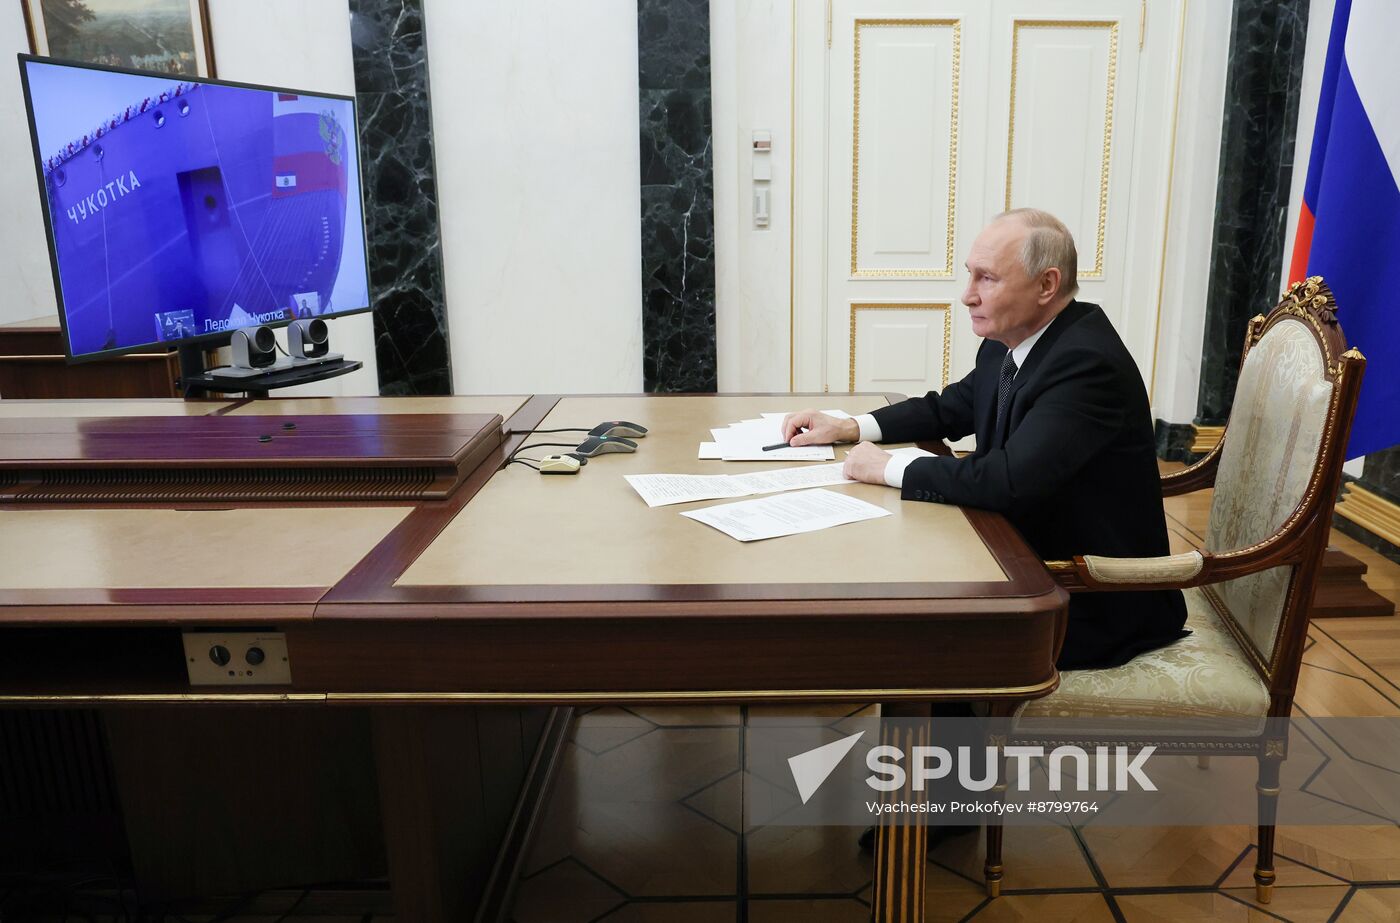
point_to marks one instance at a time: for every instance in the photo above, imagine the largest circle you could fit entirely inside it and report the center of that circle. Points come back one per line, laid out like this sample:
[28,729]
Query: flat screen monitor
[181,209]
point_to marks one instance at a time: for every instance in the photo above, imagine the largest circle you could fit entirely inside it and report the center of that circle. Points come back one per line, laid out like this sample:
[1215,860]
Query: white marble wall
[535,123]
[1196,167]
[751,42]
[298,43]
[25,276]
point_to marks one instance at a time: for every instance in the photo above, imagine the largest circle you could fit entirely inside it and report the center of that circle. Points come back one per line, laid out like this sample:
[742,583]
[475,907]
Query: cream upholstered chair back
[1271,456]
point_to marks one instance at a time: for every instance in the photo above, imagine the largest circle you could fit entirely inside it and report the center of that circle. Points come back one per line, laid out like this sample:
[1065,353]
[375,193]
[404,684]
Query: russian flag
[1349,227]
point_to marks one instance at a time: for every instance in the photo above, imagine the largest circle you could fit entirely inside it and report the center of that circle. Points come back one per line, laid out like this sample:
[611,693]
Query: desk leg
[430,792]
[992,868]
[901,842]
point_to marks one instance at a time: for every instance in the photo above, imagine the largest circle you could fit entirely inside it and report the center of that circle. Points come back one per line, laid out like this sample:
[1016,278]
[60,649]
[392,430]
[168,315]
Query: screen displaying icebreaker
[181,210]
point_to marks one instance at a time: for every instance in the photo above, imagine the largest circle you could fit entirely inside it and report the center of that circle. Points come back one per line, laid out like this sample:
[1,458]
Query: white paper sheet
[913,450]
[744,441]
[786,514]
[665,489]
[768,482]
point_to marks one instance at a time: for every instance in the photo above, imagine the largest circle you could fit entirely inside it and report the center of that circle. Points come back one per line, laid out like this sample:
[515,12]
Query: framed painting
[167,36]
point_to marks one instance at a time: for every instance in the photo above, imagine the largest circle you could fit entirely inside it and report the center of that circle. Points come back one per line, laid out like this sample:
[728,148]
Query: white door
[923,120]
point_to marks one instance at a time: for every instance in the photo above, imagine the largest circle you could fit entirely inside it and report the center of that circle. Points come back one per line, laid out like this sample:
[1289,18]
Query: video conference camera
[310,341]
[253,347]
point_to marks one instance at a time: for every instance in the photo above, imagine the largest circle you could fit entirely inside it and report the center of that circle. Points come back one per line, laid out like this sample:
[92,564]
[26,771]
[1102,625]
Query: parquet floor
[645,825]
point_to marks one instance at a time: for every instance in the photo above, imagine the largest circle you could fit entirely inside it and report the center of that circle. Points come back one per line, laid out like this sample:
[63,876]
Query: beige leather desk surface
[175,549]
[503,404]
[132,407]
[592,528]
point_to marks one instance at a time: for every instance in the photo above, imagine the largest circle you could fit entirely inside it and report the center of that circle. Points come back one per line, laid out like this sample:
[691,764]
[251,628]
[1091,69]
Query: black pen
[776,445]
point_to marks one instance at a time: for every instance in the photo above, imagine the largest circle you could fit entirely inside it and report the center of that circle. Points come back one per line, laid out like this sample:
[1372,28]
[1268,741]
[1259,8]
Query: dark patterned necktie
[1008,372]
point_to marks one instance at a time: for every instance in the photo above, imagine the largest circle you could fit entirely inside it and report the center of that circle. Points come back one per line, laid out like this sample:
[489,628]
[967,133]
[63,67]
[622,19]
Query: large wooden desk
[526,589]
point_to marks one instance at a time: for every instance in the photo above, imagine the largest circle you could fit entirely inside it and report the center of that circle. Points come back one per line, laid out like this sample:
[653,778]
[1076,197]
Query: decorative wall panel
[1256,169]
[904,188]
[401,212]
[910,345]
[678,239]
[1064,75]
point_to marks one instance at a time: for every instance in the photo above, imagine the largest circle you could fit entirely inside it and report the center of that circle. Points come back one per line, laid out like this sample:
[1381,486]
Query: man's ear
[1049,288]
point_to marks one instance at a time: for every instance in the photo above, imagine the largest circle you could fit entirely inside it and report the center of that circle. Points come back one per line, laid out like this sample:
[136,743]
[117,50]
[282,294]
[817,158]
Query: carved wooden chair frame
[1300,542]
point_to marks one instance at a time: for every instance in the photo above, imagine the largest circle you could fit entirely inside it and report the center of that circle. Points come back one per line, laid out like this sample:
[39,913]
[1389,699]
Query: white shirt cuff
[869,429]
[894,470]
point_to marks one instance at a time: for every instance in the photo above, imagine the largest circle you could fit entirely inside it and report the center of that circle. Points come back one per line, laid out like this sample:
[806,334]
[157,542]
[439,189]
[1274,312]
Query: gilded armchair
[1275,473]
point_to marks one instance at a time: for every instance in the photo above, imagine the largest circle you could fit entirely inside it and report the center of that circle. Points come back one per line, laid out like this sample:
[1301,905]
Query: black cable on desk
[567,429]
[540,445]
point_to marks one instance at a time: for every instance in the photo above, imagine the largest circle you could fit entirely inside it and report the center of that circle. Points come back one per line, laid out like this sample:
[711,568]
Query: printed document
[666,489]
[744,441]
[786,514]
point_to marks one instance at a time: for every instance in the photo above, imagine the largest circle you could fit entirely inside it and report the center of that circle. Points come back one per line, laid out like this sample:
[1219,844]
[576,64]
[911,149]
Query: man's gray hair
[1048,243]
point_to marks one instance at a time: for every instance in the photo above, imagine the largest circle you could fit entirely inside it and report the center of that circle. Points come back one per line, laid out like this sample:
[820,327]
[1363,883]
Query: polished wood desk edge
[104,440]
[502,607]
[79,614]
[601,697]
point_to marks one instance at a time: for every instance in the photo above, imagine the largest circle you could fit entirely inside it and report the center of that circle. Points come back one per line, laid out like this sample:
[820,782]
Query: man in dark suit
[1065,447]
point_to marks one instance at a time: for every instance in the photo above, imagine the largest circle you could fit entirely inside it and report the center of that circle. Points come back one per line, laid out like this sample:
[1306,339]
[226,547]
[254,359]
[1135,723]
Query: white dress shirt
[870,429]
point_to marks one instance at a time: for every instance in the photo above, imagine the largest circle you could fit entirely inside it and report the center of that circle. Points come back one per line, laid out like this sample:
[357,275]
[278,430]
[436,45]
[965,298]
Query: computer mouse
[559,464]
[598,445]
[619,428]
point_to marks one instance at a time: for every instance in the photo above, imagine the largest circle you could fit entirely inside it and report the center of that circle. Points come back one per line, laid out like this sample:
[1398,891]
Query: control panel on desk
[237,658]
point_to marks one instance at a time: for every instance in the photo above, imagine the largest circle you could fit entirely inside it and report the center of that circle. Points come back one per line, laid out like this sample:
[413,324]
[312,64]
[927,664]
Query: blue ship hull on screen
[198,211]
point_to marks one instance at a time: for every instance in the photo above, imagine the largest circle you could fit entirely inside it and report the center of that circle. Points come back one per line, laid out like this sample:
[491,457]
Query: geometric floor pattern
[644,824]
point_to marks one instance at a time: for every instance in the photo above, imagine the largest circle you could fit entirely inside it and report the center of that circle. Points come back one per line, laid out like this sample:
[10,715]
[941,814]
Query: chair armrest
[1093,571]
[1089,573]
[1195,477]
[1170,568]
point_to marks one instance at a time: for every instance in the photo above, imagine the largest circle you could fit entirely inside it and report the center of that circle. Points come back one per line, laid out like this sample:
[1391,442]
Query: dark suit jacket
[1073,467]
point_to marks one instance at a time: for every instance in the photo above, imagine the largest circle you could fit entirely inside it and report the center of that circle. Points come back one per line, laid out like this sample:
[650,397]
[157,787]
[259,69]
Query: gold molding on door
[1112,26]
[955,91]
[945,306]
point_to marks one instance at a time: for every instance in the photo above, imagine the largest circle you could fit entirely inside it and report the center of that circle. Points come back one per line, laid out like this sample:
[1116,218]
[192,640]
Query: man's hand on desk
[812,427]
[866,462]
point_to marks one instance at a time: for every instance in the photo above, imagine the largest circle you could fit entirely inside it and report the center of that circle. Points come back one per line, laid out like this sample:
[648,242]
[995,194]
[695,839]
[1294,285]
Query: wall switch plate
[237,658]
